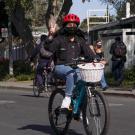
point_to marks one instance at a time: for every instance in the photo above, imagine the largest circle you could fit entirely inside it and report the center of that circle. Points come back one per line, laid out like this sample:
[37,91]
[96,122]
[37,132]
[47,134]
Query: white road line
[7,102]
[112,104]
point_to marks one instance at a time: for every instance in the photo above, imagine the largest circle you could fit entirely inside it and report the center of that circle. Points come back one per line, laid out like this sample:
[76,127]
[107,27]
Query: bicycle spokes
[97,114]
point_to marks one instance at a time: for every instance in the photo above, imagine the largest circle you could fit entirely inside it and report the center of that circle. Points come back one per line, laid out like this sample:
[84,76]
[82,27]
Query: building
[124,28]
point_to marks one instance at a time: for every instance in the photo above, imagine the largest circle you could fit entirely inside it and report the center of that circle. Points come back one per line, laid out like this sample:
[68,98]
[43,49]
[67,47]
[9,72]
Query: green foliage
[10,4]
[37,13]
[130,74]
[120,6]
[24,77]
[22,71]
[3,69]
[129,77]
[20,67]
[26,4]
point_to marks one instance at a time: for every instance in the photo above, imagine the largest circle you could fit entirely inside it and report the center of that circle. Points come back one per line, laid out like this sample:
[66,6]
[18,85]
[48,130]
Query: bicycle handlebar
[79,60]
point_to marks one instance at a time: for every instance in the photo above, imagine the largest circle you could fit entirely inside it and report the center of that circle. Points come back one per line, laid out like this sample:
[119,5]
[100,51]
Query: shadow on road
[41,128]
[34,96]
[45,129]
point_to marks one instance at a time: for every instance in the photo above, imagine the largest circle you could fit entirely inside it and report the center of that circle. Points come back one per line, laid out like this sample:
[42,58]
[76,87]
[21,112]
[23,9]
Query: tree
[120,6]
[16,10]
[3,15]
[51,11]
[19,8]
[121,10]
[3,19]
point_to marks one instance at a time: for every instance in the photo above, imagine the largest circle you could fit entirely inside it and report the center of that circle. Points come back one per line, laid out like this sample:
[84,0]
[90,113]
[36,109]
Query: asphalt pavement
[28,85]
[23,114]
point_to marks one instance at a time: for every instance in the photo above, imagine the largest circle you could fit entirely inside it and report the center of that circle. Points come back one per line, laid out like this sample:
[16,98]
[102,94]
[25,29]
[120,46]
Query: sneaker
[66,102]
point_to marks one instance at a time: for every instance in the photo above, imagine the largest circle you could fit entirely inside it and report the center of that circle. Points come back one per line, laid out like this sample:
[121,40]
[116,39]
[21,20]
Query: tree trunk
[65,10]
[19,21]
[10,46]
[51,12]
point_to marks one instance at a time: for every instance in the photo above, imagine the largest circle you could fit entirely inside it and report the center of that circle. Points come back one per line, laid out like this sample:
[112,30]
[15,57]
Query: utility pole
[107,13]
[10,45]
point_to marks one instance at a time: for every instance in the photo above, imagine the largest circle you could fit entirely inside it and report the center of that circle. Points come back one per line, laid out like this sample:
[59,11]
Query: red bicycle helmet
[71,18]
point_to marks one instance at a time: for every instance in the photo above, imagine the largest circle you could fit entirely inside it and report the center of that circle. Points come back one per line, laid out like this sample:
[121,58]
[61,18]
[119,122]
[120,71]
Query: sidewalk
[20,85]
[27,85]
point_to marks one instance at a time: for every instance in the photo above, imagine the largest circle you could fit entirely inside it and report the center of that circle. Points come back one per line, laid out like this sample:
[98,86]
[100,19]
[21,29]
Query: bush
[4,69]
[24,77]
[20,67]
[22,71]
[129,77]
[130,74]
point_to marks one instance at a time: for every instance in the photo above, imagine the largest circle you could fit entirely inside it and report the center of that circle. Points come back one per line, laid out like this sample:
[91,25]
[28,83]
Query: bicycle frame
[79,94]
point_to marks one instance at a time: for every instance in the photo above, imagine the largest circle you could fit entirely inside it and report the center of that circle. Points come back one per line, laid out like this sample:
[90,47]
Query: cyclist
[66,47]
[44,59]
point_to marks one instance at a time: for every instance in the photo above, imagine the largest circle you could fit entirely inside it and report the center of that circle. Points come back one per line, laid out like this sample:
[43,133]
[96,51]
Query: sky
[80,8]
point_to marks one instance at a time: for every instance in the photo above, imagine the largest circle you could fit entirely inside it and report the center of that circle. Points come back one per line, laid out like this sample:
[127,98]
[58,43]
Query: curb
[119,94]
[16,88]
[107,92]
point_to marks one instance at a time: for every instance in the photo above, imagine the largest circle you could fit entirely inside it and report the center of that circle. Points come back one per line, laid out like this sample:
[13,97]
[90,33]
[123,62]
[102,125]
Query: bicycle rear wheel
[59,121]
[36,89]
[96,114]
[48,88]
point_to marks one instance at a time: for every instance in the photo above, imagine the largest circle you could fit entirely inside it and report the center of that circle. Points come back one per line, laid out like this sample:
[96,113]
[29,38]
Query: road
[23,114]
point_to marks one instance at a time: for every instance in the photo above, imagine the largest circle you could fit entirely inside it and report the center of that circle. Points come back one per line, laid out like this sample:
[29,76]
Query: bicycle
[86,102]
[47,89]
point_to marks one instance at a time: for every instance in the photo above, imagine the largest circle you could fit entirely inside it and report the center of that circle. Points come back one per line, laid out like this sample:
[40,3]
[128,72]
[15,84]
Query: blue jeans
[103,82]
[70,75]
[117,70]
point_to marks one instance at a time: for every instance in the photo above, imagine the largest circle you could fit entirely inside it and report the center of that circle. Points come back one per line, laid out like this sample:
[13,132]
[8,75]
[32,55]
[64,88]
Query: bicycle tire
[48,88]
[58,127]
[36,91]
[92,120]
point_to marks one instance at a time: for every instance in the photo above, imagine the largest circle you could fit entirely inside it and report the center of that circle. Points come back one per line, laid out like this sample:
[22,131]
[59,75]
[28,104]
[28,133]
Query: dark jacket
[65,50]
[112,51]
[42,53]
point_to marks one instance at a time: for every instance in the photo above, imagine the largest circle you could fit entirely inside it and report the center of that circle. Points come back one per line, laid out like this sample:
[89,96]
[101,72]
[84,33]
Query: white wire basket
[91,72]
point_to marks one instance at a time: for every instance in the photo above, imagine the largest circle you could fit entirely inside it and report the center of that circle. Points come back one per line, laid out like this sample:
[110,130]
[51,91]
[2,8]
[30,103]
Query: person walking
[118,51]
[98,48]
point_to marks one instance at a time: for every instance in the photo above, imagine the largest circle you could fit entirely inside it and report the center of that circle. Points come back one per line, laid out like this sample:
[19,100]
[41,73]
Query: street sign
[4,32]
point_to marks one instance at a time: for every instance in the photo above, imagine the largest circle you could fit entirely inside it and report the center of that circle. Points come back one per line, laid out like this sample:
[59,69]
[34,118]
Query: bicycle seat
[59,80]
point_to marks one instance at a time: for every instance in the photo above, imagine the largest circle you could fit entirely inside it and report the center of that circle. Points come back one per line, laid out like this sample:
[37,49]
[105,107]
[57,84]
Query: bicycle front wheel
[59,121]
[96,114]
